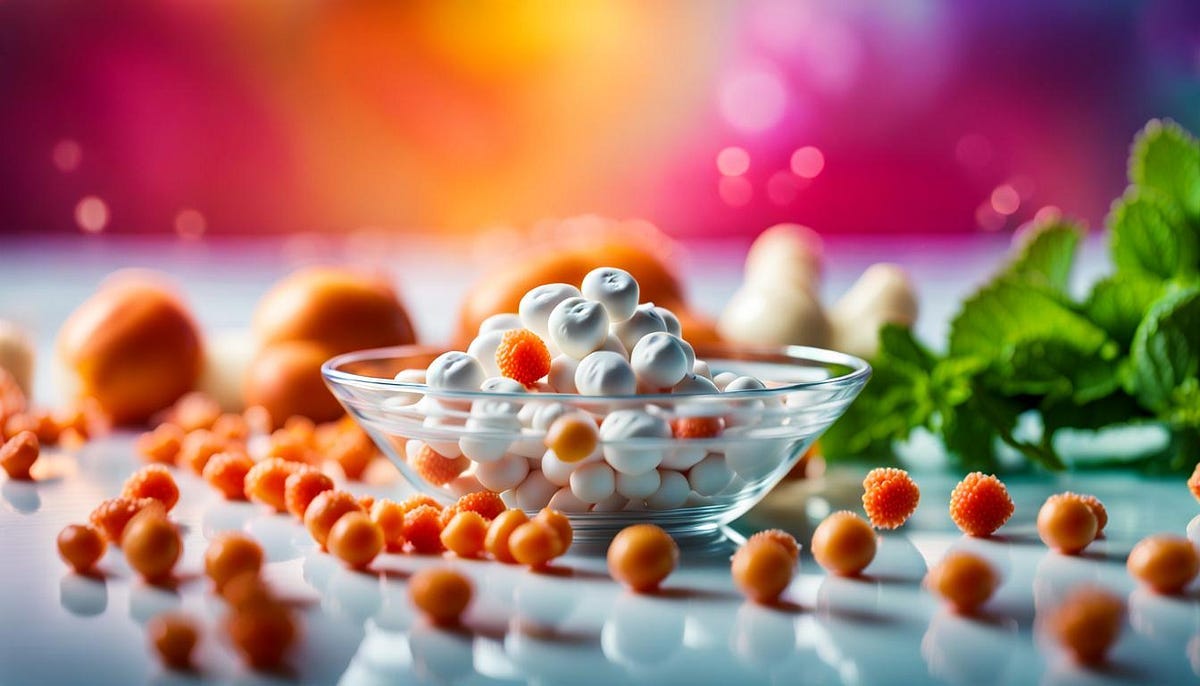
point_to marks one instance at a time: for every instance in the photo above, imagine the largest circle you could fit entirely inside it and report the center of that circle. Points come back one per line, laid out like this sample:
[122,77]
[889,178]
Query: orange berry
[1087,623]
[561,525]
[286,445]
[227,472]
[437,469]
[964,580]
[18,454]
[324,511]
[81,546]
[697,427]
[1165,563]
[416,500]
[231,427]
[247,590]
[366,501]
[262,634]
[523,356]
[1193,482]
[441,594]
[40,422]
[197,448]
[499,532]
[230,554]
[301,487]
[266,482]
[1066,524]
[763,569]
[423,530]
[780,537]
[302,429]
[572,437]
[174,636]
[355,540]
[194,410]
[112,516]
[152,545]
[890,496]
[354,454]
[162,444]
[486,503]
[388,515]
[641,556]
[152,481]
[980,504]
[464,534]
[844,544]
[534,543]
[1096,506]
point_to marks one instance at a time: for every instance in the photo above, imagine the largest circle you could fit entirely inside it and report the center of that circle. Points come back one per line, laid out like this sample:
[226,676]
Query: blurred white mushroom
[883,294]
[227,357]
[16,355]
[780,317]
[784,257]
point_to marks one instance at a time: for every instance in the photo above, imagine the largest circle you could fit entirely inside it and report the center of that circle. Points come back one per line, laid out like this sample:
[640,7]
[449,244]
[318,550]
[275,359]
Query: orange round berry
[844,544]
[499,532]
[173,636]
[198,447]
[152,481]
[423,530]
[366,501]
[763,569]
[1066,524]
[162,444]
[437,469]
[354,454]
[1193,482]
[1096,506]
[266,482]
[81,546]
[697,427]
[780,537]
[642,556]
[230,554]
[18,454]
[112,516]
[964,580]
[465,533]
[441,594]
[195,410]
[572,437]
[890,496]
[152,545]
[388,515]
[486,503]
[227,472]
[355,540]
[416,500]
[262,634]
[1087,623]
[1165,563]
[535,543]
[246,591]
[325,510]
[523,356]
[980,504]
[561,525]
[231,427]
[301,487]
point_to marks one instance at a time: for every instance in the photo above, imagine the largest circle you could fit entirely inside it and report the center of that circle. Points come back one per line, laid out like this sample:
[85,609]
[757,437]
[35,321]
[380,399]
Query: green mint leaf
[1150,236]
[970,437]
[1166,159]
[1056,369]
[1064,413]
[1165,354]
[1118,303]
[1047,254]
[898,345]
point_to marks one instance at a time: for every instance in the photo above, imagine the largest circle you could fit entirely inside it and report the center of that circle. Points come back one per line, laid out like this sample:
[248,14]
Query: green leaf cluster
[1129,351]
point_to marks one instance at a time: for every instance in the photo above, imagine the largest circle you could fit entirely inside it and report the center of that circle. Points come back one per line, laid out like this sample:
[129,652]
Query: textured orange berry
[111,516]
[195,410]
[262,634]
[561,525]
[416,500]
[1193,482]
[642,556]
[437,469]
[464,534]
[324,511]
[227,472]
[423,530]
[173,636]
[1066,523]
[389,516]
[40,422]
[441,594]
[499,532]
[286,445]
[162,444]
[844,544]
[890,496]
[266,482]
[980,504]
[152,481]
[152,545]
[81,546]
[302,429]
[780,537]
[1165,563]
[486,503]
[523,356]
[964,580]
[301,487]
[1087,623]
[354,454]
[762,569]
[231,427]
[366,501]
[229,555]
[18,454]
[198,447]
[697,427]
[355,540]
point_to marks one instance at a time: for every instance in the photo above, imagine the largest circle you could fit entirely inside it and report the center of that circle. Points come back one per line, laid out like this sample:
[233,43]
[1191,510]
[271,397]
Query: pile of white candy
[602,343]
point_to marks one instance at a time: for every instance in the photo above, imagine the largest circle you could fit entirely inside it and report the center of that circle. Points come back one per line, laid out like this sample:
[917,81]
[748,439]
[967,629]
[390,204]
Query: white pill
[503,474]
[694,385]
[744,383]
[463,485]
[408,376]
[690,352]
[564,500]
[752,459]
[701,368]
[491,435]
[593,482]
[721,381]
[443,440]
[615,288]
[483,349]
[535,491]
[547,413]
[502,384]
[500,322]
[671,493]
[411,376]
[711,475]
[509,498]
[531,446]
[537,304]
[672,322]
[613,503]
[683,456]
[638,486]
[557,471]
[455,371]
[614,344]
[626,425]
[659,360]
[562,374]
[605,373]
[645,321]
[578,326]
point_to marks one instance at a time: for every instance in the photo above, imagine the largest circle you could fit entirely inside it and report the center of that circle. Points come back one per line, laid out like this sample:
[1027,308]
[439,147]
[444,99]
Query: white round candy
[613,503]
[411,376]
[673,326]
[614,344]
[578,326]
[683,456]
[535,491]
[753,459]
[700,368]
[615,288]
[531,447]
[482,447]
[562,374]
[659,361]
[500,322]
[503,384]
[546,414]
[694,385]
[689,351]
[537,304]
[455,371]
[564,500]
[638,486]
[605,373]
[671,493]
[622,425]
[744,383]
[503,474]
[444,444]
[711,475]
[723,379]
[744,412]
[483,349]
[645,321]
[557,471]
[463,485]
[593,482]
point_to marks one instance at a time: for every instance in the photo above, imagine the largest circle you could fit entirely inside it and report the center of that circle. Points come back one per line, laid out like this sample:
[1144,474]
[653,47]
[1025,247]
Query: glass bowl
[704,483]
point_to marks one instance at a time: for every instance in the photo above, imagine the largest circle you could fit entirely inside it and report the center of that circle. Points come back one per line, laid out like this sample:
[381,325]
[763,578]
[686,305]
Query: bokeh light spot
[66,155]
[988,219]
[1048,213]
[736,191]
[807,162]
[1005,199]
[784,186]
[91,214]
[733,161]
[190,224]
[753,100]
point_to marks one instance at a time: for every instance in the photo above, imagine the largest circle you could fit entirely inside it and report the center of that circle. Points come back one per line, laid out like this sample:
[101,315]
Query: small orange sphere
[355,540]
[980,504]
[964,580]
[423,529]
[262,634]
[890,497]
[763,569]
[465,533]
[152,545]
[535,543]
[18,454]
[162,444]
[231,427]
[152,481]
[288,446]
[486,503]
[353,453]
[697,427]
[573,437]
[844,544]
[1087,624]
[1165,563]
[388,515]
[195,410]
[641,556]
[1096,506]
[324,511]
[266,482]
[440,593]
[780,537]
[173,636]
[301,487]
[436,468]
[561,525]
[227,472]
[247,590]
[81,546]
[197,449]
[112,516]
[499,532]
[230,554]
[523,356]
[1066,524]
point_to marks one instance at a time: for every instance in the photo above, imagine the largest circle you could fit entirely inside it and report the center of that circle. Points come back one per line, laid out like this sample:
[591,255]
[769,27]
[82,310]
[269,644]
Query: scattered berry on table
[81,546]
[980,504]
[1088,623]
[1164,562]
[642,556]
[1067,523]
[890,497]
[964,580]
[844,544]
[152,481]
[441,594]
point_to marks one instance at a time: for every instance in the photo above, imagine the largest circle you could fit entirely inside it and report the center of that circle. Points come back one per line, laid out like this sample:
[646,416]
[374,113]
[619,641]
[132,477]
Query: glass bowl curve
[763,433]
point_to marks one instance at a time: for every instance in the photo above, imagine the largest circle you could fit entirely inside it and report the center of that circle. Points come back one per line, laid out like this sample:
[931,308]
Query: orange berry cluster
[69,427]
[890,497]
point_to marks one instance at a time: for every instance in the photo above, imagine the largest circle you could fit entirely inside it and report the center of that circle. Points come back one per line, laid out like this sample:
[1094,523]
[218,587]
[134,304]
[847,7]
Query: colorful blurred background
[708,118]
